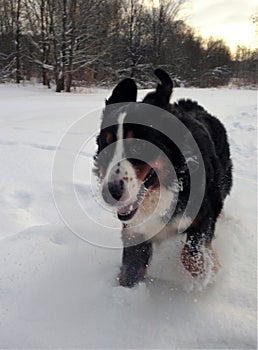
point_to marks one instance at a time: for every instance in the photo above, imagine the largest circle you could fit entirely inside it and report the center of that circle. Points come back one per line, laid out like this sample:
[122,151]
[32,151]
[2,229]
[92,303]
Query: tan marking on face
[151,197]
[142,171]
[161,165]
[129,135]
[109,138]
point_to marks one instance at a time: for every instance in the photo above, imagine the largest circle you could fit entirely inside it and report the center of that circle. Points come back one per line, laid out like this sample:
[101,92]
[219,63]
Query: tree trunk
[68,82]
[61,80]
[44,59]
[51,4]
[18,42]
[72,24]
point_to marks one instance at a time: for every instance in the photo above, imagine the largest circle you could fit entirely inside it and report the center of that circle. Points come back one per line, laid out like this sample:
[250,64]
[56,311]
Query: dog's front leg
[134,262]
[192,259]
[198,239]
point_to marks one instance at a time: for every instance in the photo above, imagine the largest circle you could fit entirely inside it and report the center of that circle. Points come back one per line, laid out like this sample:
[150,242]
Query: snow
[59,291]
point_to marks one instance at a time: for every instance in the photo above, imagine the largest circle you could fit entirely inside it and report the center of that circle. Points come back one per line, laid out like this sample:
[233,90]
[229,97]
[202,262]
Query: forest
[71,43]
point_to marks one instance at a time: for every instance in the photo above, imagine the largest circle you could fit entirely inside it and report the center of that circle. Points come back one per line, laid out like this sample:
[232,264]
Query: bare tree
[133,33]
[76,42]
[71,46]
[37,33]
[18,41]
[7,45]
[10,23]
[7,18]
[163,14]
[75,36]
[45,45]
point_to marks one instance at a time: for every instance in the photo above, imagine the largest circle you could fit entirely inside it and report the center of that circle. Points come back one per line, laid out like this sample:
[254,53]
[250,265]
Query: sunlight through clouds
[230,20]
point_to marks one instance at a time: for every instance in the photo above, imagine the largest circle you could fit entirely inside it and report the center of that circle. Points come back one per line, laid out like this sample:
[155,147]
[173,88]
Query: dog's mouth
[127,212]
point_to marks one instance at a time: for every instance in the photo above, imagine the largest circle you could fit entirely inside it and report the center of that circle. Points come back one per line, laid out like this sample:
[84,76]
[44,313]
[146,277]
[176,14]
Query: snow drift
[58,291]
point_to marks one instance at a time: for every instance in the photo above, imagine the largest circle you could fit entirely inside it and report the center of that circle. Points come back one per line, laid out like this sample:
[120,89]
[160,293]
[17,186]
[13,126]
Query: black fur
[161,96]
[125,91]
[135,261]
[211,138]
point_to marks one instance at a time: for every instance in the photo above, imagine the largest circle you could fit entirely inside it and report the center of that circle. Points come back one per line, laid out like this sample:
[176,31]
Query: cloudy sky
[229,19]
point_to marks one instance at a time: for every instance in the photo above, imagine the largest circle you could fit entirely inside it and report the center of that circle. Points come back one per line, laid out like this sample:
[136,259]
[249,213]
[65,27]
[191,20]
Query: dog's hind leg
[134,263]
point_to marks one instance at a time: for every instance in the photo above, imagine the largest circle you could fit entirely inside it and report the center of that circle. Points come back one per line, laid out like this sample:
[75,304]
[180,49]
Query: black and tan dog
[146,175]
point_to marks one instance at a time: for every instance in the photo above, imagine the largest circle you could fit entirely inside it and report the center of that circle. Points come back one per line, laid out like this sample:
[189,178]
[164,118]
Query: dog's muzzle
[112,193]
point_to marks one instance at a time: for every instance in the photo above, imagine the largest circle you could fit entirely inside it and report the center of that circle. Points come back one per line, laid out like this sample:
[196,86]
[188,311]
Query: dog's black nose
[112,192]
[116,189]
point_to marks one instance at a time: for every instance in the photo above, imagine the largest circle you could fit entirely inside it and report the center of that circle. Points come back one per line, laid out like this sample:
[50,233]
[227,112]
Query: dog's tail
[166,81]
[163,91]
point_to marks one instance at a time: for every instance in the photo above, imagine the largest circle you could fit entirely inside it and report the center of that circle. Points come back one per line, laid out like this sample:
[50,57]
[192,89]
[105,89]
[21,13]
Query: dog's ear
[161,96]
[125,91]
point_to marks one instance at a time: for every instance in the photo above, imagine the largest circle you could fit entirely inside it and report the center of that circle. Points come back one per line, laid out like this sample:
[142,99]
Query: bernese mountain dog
[165,169]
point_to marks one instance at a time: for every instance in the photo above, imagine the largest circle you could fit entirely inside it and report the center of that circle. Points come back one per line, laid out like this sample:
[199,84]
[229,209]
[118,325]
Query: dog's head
[133,159]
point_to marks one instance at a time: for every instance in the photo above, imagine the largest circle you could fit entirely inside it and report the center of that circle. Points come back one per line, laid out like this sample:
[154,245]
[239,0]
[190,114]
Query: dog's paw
[193,263]
[130,276]
[202,262]
[126,281]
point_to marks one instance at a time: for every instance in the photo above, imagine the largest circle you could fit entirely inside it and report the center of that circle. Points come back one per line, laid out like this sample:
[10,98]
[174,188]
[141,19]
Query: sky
[227,19]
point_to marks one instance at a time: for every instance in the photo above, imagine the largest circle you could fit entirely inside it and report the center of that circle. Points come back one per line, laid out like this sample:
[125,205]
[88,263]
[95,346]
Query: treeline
[82,42]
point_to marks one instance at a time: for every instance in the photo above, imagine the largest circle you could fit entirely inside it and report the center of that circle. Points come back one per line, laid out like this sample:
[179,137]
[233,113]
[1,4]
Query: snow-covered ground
[58,291]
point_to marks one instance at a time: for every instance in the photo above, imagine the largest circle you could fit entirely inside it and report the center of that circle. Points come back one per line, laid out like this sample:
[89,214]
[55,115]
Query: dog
[146,167]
